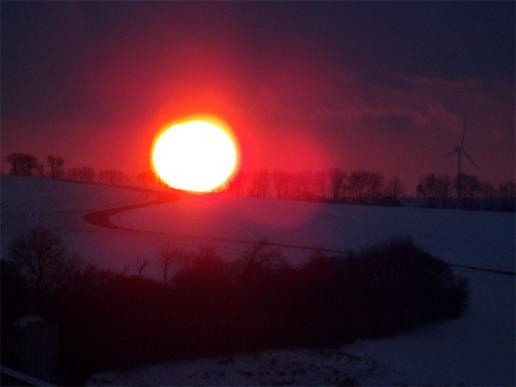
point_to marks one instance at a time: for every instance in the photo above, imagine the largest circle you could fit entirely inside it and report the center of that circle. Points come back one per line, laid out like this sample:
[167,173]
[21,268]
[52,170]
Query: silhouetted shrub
[212,307]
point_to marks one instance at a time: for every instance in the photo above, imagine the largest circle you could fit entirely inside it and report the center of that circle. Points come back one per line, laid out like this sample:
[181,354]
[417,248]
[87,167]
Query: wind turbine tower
[460,151]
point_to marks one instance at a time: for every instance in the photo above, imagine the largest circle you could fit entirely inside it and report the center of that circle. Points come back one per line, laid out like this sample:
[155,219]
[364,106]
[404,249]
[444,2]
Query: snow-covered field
[476,349]
[465,237]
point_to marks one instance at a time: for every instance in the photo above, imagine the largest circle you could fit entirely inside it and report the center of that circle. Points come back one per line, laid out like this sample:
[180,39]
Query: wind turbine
[459,151]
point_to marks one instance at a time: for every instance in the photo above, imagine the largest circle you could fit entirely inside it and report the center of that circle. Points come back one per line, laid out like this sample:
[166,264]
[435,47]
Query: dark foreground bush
[110,320]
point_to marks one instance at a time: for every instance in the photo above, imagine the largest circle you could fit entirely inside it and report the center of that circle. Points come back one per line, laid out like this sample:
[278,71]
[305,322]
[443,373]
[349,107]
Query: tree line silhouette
[22,164]
[335,185]
[441,192]
[368,187]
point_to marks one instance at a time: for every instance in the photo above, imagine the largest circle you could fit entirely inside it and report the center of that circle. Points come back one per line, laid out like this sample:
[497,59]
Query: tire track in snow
[103,217]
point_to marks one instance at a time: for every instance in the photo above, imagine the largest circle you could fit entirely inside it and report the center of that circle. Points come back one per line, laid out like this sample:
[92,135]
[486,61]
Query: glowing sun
[195,155]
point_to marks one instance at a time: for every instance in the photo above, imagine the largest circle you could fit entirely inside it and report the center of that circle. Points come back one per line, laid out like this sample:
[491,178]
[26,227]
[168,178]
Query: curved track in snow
[103,218]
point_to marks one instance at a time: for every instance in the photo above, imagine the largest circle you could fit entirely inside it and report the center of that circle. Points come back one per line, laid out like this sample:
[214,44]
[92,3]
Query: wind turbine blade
[451,153]
[470,159]
[463,132]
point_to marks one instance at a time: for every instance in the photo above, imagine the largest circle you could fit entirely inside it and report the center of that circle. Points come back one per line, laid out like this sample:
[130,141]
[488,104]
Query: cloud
[396,122]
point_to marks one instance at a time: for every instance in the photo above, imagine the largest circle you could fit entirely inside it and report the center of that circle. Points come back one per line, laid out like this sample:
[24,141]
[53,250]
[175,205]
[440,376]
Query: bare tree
[470,188]
[304,185]
[374,185]
[394,189]
[238,183]
[140,265]
[56,166]
[443,189]
[507,195]
[357,183]
[280,183]
[39,254]
[40,169]
[259,183]
[259,253]
[427,188]
[22,164]
[167,255]
[321,185]
[487,195]
[337,178]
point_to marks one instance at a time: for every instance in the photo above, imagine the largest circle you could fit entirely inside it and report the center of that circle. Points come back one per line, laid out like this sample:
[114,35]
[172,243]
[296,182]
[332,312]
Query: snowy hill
[228,223]
[476,349]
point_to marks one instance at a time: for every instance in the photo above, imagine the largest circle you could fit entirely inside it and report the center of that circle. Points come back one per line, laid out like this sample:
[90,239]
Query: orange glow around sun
[195,155]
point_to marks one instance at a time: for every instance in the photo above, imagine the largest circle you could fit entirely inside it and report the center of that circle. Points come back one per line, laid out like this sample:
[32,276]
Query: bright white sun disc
[195,155]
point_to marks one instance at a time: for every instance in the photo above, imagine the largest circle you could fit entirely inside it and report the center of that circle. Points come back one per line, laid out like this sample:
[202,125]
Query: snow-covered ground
[281,367]
[465,237]
[474,238]
[30,202]
[477,349]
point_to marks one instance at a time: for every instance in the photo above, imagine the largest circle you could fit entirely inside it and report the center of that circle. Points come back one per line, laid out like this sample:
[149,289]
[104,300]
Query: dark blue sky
[359,85]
